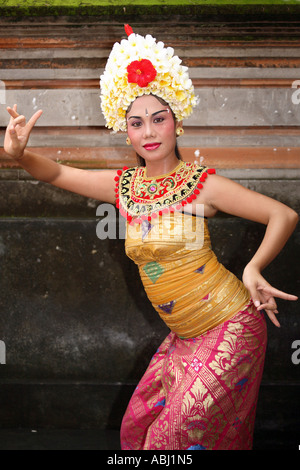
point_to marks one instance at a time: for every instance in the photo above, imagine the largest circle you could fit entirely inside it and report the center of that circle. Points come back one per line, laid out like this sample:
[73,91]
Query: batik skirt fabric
[200,393]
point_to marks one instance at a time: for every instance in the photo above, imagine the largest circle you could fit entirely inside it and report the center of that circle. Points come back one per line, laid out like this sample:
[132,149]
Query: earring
[128,141]
[179,131]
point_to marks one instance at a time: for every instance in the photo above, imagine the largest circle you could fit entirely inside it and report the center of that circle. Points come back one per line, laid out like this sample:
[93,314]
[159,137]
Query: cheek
[132,135]
[170,130]
[169,127]
[170,135]
[133,132]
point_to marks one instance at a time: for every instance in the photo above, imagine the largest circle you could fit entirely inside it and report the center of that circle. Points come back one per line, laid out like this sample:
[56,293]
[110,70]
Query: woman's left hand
[263,294]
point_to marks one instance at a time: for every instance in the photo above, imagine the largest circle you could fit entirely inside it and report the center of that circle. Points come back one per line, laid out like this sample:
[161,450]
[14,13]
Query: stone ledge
[203,10]
[21,196]
[232,173]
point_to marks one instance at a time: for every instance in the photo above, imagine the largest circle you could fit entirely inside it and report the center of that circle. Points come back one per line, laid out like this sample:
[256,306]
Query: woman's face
[151,129]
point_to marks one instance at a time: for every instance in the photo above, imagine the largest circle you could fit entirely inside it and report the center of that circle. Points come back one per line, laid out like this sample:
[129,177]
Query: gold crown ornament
[141,66]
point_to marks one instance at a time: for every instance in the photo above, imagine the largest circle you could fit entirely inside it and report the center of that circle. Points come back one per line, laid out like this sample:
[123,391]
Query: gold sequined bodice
[188,287]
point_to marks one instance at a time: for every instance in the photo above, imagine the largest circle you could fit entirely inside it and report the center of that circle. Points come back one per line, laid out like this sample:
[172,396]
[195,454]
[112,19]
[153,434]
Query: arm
[94,184]
[220,193]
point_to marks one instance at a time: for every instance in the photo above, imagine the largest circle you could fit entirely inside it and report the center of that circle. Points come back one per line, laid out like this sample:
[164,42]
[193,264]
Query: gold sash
[187,286]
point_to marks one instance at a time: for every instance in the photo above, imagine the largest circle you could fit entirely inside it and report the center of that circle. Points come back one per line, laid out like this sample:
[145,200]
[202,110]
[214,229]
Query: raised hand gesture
[18,132]
[263,294]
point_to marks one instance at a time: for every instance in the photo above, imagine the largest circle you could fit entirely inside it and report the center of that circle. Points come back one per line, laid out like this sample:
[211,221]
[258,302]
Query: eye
[159,119]
[136,124]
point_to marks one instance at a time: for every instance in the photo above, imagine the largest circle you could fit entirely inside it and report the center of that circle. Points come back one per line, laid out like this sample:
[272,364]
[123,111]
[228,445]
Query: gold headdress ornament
[138,66]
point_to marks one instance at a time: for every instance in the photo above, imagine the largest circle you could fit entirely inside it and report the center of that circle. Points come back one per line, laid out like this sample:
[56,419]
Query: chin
[153,158]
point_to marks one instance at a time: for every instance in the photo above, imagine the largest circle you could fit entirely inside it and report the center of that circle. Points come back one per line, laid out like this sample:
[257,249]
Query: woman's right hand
[18,132]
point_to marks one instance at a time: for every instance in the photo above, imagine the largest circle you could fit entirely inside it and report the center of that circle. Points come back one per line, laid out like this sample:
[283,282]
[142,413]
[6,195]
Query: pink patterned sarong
[200,393]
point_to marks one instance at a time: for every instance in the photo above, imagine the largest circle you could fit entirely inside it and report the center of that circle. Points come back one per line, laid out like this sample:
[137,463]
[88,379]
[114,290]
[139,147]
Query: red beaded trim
[188,200]
[117,179]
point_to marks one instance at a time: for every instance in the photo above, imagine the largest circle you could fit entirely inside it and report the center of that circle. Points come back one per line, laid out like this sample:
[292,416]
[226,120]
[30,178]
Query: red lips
[153,146]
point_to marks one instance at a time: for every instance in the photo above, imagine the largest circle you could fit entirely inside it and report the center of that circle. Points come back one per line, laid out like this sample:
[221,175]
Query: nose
[148,129]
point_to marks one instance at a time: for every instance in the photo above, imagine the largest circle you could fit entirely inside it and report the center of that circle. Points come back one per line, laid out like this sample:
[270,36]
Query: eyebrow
[154,114]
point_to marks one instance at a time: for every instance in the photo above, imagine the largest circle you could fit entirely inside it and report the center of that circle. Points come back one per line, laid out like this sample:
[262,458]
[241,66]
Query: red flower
[141,72]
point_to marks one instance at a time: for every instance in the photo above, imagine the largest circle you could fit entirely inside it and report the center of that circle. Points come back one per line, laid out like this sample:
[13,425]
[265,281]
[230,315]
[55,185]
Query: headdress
[138,66]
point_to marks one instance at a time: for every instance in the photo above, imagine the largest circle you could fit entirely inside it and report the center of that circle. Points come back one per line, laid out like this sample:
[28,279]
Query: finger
[268,306]
[13,111]
[268,303]
[277,293]
[12,114]
[13,133]
[256,302]
[20,119]
[273,318]
[34,118]
[256,297]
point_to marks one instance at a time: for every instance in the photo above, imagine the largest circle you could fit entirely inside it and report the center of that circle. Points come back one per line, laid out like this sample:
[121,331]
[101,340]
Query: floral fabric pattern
[200,393]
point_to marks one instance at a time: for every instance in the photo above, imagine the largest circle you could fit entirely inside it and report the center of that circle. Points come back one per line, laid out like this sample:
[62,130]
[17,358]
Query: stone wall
[77,326]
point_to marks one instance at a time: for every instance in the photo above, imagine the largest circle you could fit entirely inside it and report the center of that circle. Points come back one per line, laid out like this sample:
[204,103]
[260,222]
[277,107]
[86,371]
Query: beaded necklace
[140,197]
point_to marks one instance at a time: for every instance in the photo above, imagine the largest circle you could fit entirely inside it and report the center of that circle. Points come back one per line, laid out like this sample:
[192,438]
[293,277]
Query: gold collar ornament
[140,197]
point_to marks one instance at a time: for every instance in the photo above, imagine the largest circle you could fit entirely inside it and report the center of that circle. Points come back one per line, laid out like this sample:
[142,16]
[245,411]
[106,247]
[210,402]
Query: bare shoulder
[216,186]
[213,186]
[207,192]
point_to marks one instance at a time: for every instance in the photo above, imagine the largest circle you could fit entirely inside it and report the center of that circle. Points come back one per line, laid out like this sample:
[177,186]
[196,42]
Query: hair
[141,160]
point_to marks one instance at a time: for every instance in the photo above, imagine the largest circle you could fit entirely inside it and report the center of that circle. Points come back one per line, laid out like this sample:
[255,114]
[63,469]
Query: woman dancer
[200,389]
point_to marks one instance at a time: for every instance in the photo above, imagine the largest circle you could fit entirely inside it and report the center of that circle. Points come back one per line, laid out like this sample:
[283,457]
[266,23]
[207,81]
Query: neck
[161,168]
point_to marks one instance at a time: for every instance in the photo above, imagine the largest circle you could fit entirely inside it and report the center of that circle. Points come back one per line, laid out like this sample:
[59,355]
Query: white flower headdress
[138,66]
